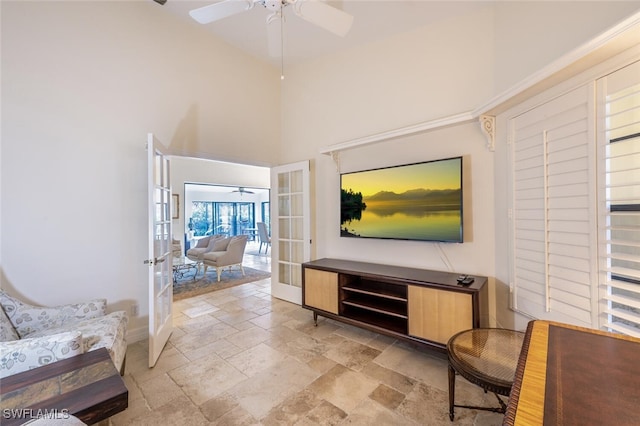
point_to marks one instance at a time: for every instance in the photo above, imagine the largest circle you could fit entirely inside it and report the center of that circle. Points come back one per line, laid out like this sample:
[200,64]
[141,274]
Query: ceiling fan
[242,190]
[314,11]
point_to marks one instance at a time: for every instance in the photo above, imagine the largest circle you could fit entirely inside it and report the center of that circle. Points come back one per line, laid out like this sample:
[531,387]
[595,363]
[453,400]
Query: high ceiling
[373,20]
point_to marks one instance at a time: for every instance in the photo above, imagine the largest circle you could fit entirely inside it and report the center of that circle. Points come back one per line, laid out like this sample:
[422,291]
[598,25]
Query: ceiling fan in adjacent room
[314,11]
[242,190]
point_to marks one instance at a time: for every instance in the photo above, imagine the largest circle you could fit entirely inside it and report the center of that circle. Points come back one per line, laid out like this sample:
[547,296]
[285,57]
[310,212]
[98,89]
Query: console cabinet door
[321,290]
[437,315]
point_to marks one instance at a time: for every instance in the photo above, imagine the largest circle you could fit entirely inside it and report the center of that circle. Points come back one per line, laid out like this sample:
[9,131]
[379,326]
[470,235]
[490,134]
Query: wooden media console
[416,305]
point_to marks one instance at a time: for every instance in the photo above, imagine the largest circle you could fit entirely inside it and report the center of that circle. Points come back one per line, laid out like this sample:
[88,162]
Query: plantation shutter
[553,268]
[619,200]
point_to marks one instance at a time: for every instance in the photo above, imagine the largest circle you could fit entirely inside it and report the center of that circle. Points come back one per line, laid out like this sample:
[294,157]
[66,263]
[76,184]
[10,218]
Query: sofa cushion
[27,319]
[213,242]
[22,355]
[196,252]
[203,242]
[213,256]
[220,244]
[104,332]
[7,332]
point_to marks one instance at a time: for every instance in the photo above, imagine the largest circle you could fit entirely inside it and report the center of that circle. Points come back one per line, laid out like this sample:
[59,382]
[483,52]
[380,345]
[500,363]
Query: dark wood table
[87,386]
[486,357]
[569,375]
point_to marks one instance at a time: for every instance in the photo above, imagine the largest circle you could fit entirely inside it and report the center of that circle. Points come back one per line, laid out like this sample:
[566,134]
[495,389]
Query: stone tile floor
[241,357]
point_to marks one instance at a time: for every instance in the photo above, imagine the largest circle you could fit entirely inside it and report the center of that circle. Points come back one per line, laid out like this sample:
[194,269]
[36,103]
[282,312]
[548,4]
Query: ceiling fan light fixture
[220,10]
[242,190]
[273,5]
[316,12]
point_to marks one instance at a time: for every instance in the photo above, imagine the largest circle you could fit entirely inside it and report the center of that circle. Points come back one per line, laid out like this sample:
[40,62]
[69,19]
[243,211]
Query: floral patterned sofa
[32,336]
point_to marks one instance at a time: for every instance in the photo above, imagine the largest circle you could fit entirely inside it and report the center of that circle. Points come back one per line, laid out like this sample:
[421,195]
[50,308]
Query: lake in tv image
[416,202]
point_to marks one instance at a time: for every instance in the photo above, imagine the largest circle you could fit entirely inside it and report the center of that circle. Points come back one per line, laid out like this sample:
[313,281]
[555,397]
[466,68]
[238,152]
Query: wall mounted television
[419,201]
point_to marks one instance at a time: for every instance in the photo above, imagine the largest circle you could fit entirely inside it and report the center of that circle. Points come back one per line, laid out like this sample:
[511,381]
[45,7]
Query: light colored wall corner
[531,35]
[137,334]
[78,100]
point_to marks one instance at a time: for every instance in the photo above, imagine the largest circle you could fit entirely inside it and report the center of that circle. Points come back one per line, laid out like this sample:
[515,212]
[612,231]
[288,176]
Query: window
[575,204]
[619,200]
[228,218]
[266,215]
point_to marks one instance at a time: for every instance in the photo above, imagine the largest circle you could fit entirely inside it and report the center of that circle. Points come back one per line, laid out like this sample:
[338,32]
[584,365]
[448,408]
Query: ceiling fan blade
[160,2]
[242,190]
[221,10]
[325,16]
[274,35]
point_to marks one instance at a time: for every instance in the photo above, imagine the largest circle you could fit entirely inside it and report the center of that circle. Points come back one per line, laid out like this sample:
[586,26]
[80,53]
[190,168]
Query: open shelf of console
[418,305]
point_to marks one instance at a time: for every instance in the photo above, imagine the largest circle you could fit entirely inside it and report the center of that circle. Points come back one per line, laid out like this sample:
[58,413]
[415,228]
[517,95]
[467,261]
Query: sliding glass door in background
[227,218]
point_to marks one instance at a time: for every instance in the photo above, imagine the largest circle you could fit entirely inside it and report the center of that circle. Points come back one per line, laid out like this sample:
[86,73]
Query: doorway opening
[212,209]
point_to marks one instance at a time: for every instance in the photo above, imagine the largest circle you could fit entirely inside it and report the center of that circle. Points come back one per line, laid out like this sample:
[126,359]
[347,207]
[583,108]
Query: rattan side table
[486,357]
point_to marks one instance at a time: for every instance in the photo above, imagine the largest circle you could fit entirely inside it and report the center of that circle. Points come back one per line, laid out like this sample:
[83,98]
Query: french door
[160,259]
[290,229]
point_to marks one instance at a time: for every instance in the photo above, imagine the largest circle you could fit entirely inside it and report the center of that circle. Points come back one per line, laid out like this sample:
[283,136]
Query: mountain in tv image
[416,214]
[414,202]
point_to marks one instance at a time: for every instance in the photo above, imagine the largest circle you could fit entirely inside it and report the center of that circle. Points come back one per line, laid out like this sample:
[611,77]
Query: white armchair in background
[228,253]
[204,245]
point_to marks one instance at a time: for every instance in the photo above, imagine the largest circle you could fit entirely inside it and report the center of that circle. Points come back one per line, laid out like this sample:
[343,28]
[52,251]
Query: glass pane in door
[291,245]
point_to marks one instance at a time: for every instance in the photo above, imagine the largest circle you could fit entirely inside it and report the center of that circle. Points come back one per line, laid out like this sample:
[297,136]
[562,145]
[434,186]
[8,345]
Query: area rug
[186,287]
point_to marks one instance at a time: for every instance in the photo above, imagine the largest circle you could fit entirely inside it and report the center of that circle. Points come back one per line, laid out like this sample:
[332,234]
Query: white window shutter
[553,269]
[619,199]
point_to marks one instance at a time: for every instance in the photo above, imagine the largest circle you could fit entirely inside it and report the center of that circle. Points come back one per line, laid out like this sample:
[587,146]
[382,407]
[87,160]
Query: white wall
[432,72]
[82,84]
[532,34]
[411,78]
[427,73]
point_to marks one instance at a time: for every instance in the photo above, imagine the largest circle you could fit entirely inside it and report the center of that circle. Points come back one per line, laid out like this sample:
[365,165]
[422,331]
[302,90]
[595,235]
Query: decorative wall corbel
[488,125]
[335,155]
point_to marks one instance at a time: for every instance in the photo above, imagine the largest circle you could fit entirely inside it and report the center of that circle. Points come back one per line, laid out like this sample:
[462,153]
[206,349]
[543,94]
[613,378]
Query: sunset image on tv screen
[420,201]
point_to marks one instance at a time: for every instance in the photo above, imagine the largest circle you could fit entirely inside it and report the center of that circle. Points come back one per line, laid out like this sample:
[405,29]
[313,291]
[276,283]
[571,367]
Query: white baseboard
[137,334]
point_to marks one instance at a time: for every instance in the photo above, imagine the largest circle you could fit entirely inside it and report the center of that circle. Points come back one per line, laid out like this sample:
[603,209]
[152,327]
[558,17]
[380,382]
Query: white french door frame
[160,258]
[290,229]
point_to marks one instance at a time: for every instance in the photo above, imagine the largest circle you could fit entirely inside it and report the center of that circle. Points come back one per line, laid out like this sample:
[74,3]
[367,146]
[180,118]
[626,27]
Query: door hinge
[154,261]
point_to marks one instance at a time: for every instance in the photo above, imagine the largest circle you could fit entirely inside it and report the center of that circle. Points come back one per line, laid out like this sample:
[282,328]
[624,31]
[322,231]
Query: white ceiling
[373,20]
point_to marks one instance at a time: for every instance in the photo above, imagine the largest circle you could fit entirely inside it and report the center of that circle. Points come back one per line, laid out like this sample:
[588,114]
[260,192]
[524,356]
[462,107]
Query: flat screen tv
[420,201]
